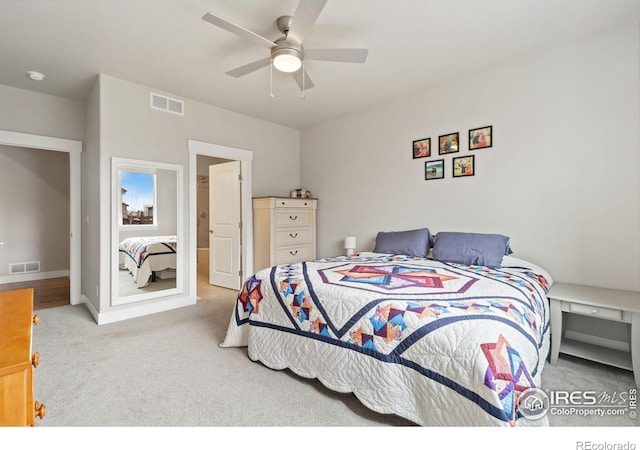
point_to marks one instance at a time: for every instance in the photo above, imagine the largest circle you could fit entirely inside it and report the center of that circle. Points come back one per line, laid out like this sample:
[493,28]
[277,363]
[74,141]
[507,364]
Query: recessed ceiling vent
[167,104]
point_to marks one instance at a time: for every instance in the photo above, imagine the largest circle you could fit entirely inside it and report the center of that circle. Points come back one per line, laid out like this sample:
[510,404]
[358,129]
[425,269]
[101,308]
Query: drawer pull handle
[35,359]
[293,217]
[293,235]
[40,410]
[293,253]
[36,319]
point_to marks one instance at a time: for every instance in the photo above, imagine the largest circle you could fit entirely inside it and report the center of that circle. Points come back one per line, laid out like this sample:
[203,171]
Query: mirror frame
[118,164]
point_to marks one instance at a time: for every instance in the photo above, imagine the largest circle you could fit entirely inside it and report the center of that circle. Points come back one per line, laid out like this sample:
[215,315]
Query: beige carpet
[167,370]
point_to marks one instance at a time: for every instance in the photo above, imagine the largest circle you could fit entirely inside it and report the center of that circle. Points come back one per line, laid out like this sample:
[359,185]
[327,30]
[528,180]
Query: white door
[224,225]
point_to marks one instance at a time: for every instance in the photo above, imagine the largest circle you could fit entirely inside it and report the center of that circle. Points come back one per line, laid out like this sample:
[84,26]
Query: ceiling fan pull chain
[303,76]
[271,80]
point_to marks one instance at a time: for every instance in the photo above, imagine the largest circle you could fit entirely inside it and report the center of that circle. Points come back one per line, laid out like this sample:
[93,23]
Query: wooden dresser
[17,406]
[284,230]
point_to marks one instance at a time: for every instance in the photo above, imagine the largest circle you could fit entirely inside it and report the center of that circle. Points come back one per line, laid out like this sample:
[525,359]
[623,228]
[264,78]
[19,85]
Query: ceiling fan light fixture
[287,60]
[287,53]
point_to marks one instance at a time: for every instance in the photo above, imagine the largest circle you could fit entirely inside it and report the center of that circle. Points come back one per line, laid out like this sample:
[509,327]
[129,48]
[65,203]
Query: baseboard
[35,276]
[131,310]
[597,340]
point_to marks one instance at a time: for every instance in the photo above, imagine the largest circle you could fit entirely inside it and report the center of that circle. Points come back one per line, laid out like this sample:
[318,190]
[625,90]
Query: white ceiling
[165,44]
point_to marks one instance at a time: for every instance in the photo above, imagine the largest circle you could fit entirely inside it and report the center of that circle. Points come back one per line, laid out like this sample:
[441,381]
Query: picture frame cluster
[461,166]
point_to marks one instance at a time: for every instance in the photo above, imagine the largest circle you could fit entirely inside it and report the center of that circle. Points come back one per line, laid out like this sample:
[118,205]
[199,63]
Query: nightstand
[602,303]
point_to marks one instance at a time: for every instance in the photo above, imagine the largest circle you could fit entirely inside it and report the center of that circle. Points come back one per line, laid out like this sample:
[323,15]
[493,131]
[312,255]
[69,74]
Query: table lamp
[350,245]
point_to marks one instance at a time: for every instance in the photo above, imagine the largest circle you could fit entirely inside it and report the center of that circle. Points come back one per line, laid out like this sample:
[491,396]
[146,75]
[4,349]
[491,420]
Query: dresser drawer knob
[594,311]
[293,217]
[293,235]
[293,253]
[36,319]
[40,410]
[35,359]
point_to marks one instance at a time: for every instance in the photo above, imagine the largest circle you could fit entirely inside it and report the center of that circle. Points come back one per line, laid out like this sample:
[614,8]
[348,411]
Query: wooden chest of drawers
[17,406]
[284,230]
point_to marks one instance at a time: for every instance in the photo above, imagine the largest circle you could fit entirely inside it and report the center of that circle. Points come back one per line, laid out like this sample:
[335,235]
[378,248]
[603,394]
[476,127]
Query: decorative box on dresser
[284,230]
[17,406]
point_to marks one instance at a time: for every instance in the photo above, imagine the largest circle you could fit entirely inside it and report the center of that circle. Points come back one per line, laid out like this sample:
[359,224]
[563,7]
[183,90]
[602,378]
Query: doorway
[74,149]
[218,217]
[203,156]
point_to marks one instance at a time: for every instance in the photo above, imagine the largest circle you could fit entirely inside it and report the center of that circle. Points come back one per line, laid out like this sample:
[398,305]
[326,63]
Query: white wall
[562,178]
[91,271]
[30,112]
[129,128]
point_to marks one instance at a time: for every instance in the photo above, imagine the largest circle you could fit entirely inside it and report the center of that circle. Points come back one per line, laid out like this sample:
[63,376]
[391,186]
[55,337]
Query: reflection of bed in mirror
[148,257]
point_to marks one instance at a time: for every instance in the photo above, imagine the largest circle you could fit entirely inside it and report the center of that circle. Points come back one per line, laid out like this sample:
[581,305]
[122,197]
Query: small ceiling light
[37,76]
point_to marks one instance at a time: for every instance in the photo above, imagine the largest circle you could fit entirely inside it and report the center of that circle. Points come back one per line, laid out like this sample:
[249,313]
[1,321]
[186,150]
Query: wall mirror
[146,234]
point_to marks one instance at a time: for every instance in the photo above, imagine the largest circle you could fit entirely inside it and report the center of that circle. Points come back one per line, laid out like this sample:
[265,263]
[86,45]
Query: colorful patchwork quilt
[439,344]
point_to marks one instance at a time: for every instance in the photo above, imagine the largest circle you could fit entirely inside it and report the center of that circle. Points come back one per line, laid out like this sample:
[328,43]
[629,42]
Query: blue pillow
[474,249]
[411,242]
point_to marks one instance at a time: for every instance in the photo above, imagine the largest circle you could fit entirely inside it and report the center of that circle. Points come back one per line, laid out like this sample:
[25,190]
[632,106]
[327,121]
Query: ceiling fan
[287,53]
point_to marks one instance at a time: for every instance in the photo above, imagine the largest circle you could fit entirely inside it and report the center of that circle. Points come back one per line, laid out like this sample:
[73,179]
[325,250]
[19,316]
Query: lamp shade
[350,242]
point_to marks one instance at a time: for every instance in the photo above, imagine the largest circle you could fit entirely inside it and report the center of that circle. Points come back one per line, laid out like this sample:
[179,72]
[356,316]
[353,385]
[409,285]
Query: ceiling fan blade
[348,55]
[248,68]
[304,18]
[238,30]
[308,84]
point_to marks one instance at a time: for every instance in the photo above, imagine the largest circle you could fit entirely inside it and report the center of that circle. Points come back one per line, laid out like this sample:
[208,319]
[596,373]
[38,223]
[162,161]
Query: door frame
[220,151]
[74,148]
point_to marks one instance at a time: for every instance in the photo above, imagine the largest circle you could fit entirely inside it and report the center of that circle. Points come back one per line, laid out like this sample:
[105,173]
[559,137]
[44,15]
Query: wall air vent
[167,104]
[27,267]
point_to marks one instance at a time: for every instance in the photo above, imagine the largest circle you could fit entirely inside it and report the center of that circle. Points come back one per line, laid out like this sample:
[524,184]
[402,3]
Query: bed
[439,343]
[146,256]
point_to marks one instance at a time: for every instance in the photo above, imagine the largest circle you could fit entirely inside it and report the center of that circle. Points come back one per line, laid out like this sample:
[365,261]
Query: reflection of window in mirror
[138,198]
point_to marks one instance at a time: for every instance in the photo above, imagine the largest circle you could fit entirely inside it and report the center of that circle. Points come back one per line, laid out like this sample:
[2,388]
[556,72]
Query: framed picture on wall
[481,137]
[434,170]
[422,148]
[463,166]
[449,143]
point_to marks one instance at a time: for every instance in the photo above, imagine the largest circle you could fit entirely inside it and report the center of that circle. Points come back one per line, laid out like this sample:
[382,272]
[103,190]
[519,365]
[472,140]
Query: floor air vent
[27,267]
[167,104]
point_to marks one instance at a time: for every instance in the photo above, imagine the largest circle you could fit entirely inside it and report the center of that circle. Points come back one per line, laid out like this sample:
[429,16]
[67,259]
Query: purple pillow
[411,242]
[474,249]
